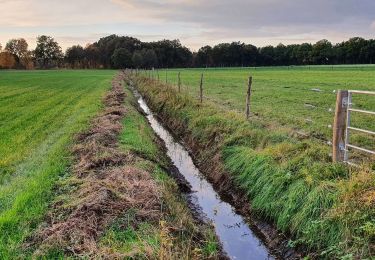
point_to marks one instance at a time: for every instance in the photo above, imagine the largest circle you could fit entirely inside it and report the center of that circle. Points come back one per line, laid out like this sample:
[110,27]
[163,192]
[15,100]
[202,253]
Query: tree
[150,59]
[108,45]
[368,52]
[18,47]
[137,59]
[27,61]
[171,53]
[220,54]
[47,52]
[75,56]
[267,55]
[322,52]
[353,48]
[7,60]
[121,59]
[250,55]
[92,55]
[204,57]
[303,53]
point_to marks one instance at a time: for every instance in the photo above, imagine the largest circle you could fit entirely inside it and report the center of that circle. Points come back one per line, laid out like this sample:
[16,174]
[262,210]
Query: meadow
[40,111]
[301,97]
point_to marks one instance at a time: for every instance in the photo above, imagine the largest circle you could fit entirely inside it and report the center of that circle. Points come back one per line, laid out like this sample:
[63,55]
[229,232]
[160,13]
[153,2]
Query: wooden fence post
[201,89]
[157,72]
[166,76]
[248,96]
[179,81]
[339,125]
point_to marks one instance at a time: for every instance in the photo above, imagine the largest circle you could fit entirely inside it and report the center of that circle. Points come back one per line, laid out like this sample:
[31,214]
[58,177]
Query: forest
[116,52]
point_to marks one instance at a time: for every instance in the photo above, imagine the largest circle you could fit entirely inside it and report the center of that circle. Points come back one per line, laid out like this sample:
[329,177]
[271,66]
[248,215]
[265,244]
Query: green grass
[284,94]
[137,239]
[326,207]
[138,137]
[40,111]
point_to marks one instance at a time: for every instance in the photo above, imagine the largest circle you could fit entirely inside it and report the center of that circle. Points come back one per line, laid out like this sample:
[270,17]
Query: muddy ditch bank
[271,243]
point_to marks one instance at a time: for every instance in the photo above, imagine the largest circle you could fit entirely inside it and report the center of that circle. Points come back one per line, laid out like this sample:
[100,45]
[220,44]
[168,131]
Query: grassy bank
[327,208]
[40,111]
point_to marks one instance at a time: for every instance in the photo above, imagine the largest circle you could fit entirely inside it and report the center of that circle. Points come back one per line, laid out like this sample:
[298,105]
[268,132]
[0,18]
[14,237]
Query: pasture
[301,97]
[40,111]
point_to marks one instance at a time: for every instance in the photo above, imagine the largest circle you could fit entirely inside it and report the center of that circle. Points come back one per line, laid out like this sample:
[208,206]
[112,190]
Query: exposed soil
[107,186]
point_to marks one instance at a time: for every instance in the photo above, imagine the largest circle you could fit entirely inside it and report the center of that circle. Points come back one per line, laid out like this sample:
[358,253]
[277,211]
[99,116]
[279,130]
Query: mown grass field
[40,111]
[284,95]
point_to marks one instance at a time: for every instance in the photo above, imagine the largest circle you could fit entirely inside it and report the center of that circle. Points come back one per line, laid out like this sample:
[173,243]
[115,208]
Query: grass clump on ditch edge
[291,182]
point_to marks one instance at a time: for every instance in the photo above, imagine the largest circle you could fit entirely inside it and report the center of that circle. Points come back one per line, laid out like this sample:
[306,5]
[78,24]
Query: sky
[196,22]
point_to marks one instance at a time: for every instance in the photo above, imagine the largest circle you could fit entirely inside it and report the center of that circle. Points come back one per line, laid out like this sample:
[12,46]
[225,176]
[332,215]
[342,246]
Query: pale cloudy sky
[195,22]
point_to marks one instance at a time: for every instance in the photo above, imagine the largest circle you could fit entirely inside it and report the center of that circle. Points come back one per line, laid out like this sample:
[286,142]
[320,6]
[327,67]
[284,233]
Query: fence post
[179,81]
[166,76]
[248,96]
[339,126]
[201,89]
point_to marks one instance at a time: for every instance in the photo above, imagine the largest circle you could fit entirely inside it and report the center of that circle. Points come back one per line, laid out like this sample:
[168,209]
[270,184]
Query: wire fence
[314,120]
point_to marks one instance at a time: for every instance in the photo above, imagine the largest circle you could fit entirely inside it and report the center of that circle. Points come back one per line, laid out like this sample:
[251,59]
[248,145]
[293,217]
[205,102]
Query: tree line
[127,52]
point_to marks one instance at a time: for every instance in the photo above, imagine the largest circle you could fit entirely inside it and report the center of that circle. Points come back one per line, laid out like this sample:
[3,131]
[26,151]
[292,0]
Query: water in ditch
[238,240]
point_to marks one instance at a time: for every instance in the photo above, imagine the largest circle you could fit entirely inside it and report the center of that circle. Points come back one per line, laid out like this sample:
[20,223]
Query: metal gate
[349,111]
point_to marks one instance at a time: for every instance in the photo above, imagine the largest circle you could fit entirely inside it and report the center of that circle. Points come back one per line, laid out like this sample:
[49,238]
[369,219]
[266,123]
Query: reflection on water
[238,241]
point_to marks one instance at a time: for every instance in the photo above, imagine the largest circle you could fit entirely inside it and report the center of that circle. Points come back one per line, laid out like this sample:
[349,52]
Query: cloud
[272,20]
[32,13]
[195,22]
[240,13]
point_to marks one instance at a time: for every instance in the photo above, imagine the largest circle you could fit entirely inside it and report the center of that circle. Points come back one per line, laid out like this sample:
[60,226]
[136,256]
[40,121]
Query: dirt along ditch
[243,235]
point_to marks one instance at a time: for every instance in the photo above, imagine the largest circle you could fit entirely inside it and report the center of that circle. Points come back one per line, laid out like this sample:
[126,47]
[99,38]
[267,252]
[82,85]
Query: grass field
[285,94]
[39,113]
